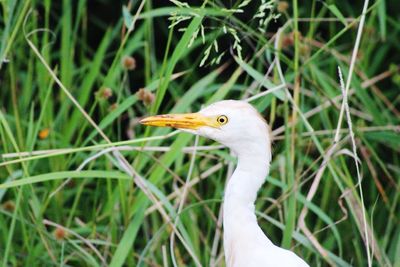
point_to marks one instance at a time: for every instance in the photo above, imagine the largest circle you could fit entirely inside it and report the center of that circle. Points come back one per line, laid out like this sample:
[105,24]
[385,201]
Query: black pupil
[221,120]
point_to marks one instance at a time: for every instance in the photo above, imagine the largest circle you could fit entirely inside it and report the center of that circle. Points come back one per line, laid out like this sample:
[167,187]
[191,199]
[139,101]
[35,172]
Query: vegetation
[83,184]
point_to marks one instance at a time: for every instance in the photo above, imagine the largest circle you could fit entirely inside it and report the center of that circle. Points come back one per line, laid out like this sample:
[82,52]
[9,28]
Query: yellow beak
[191,121]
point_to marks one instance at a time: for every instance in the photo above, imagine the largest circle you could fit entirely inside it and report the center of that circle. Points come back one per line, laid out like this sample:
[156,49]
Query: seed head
[9,206]
[104,93]
[282,6]
[44,133]
[60,233]
[129,62]
[145,96]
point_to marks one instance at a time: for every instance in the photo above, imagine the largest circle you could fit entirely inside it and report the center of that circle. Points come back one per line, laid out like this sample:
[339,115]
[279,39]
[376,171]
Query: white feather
[247,135]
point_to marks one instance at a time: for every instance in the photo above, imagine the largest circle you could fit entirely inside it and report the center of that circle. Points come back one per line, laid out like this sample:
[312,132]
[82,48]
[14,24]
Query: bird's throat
[240,222]
[249,176]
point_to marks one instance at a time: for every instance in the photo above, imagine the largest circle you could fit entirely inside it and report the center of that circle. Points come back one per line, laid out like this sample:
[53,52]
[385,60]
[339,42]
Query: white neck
[240,222]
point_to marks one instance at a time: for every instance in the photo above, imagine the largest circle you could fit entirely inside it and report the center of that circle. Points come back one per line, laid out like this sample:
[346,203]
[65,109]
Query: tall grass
[83,184]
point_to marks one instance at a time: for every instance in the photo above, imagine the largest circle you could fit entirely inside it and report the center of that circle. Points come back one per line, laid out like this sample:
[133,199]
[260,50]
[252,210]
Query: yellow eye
[222,120]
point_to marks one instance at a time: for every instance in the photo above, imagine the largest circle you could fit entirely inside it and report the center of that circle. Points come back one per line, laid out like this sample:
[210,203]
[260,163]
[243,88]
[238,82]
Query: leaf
[382,18]
[87,85]
[127,18]
[125,245]
[180,49]
[337,13]
[260,78]
[64,175]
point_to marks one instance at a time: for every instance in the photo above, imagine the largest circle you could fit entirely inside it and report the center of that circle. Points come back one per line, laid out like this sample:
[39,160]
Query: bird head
[235,124]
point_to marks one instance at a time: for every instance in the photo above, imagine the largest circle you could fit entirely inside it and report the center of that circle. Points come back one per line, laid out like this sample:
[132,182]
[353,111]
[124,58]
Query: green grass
[69,198]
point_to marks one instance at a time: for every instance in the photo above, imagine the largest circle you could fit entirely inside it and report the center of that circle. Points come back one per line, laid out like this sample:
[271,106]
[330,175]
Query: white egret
[237,125]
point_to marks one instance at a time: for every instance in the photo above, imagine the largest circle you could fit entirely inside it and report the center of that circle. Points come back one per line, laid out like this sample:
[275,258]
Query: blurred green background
[76,77]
